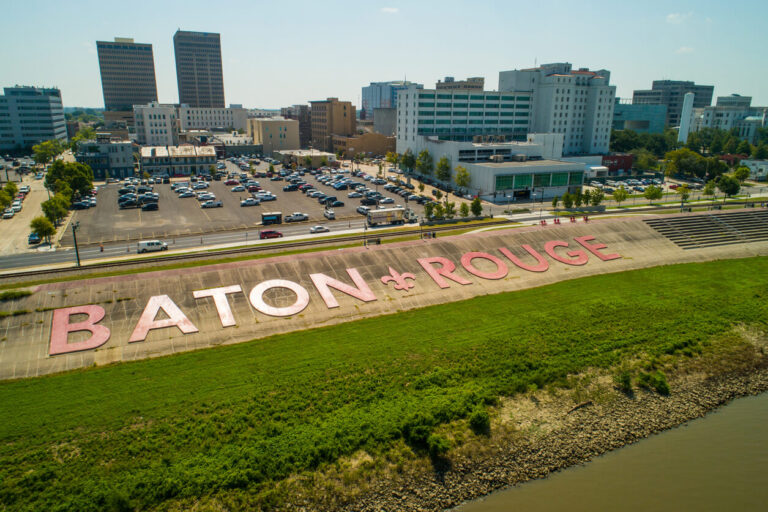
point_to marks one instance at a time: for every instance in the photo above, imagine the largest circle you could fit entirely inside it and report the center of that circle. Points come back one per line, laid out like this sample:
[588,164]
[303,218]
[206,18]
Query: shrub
[14,294]
[623,381]
[437,445]
[480,422]
[654,380]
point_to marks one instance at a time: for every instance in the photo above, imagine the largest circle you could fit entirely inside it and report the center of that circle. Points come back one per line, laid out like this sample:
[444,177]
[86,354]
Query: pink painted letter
[147,321]
[543,265]
[61,327]
[579,257]
[257,298]
[220,300]
[501,268]
[324,283]
[595,248]
[446,270]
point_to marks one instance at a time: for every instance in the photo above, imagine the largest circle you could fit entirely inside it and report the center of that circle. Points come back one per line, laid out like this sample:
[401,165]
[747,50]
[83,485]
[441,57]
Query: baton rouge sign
[439,269]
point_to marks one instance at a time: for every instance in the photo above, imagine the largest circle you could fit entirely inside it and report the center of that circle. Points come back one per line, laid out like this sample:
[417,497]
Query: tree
[684,193]
[644,159]
[760,152]
[476,207]
[145,175]
[464,210]
[107,175]
[85,133]
[424,163]
[597,197]
[5,199]
[555,200]
[43,227]
[429,209]
[652,192]
[741,173]
[439,211]
[308,161]
[744,148]
[323,162]
[443,172]
[450,209]
[586,197]
[731,145]
[438,194]
[11,188]
[69,178]
[568,200]
[46,151]
[462,177]
[577,199]
[379,173]
[620,195]
[271,168]
[685,161]
[408,161]
[392,158]
[728,185]
[55,208]
[709,188]
[421,187]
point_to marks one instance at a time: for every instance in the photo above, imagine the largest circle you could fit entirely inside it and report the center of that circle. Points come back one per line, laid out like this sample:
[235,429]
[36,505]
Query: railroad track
[293,245]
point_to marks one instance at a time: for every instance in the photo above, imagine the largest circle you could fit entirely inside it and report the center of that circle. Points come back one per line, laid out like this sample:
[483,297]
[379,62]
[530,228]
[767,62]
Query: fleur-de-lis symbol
[400,280]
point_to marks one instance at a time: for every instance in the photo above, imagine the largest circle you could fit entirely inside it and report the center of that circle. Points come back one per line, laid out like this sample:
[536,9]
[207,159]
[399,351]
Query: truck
[390,216]
[268,218]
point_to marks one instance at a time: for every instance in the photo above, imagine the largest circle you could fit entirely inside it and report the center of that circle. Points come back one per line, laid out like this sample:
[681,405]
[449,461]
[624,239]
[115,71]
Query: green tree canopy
[741,173]
[5,199]
[392,158]
[464,210]
[55,208]
[443,172]
[760,152]
[684,161]
[462,177]
[85,133]
[76,176]
[620,195]
[728,185]
[597,197]
[476,207]
[46,151]
[11,188]
[644,159]
[408,161]
[425,163]
[744,148]
[450,209]
[684,192]
[652,193]
[43,227]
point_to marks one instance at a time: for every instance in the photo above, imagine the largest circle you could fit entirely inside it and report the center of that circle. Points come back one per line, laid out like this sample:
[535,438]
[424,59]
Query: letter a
[147,321]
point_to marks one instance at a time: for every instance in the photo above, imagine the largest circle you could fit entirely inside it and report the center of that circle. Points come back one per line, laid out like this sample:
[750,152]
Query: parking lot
[177,216]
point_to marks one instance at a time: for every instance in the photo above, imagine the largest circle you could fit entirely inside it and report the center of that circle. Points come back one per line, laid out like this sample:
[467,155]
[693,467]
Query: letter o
[501,268]
[257,298]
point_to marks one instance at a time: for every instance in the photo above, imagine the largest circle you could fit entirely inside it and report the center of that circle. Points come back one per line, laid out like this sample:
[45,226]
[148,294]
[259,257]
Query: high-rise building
[331,117]
[156,124]
[29,115]
[302,114]
[198,69]
[460,115]
[475,83]
[671,93]
[639,117]
[382,95]
[579,104]
[127,73]
[732,112]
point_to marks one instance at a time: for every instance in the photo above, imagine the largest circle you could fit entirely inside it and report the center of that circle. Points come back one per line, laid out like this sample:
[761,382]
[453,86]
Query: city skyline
[268,63]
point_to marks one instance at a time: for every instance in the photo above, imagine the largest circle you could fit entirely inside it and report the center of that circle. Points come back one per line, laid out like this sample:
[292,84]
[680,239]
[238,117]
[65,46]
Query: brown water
[715,463]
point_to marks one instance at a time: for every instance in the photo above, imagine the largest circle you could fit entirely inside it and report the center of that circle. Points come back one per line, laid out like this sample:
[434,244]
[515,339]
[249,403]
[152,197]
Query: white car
[211,204]
[319,229]
[8,213]
[296,217]
[251,201]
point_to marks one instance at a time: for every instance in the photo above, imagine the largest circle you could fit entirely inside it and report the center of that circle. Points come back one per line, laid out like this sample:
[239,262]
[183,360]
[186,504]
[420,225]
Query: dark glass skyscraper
[198,69]
[127,73]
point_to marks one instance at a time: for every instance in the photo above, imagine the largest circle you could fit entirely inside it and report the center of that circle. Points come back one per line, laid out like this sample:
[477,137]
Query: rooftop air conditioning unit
[497,158]
[520,157]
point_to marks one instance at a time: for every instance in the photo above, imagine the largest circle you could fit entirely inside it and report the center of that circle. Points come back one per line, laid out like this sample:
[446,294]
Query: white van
[151,246]
[329,214]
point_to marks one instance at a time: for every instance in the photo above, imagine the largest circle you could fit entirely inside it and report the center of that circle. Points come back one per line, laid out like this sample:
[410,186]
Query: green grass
[229,422]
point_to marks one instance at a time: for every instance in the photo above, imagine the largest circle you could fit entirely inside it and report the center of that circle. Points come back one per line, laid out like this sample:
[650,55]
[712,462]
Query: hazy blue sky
[277,53]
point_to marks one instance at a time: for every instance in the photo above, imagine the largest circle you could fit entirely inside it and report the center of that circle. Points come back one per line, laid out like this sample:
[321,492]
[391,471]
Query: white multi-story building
[29,115]
[730,112]
[223,119]
[156,124]
[579,104]
[758,169]
[460,115]
[177,160]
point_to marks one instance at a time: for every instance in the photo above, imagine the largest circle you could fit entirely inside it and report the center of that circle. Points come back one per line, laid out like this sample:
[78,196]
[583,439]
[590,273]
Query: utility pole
[74,236]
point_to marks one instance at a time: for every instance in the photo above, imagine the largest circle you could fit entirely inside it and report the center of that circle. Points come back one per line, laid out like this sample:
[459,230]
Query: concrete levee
[28,345]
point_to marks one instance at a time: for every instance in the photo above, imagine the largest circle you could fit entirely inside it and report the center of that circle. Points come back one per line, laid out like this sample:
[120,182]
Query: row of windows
[473,121]
[494,97]
[523,181]
[475,113]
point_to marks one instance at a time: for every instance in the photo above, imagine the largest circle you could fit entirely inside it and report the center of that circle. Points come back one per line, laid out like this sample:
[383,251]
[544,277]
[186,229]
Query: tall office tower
[29,115]
[198,69]
[383,95]
[672,93]
[577,103]
[127,74]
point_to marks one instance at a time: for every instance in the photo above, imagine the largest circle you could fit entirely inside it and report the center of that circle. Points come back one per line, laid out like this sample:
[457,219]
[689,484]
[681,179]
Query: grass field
[229,422]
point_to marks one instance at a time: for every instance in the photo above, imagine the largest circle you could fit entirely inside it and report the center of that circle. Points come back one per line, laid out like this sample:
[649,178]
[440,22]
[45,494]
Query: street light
[74,236]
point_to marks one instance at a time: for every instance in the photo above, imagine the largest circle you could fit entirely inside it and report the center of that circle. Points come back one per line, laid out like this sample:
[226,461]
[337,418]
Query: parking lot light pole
[74,237]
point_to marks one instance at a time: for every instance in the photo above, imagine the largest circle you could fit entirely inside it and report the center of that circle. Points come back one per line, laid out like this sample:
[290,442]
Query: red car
[253,188]
[674,186]
[270,234]
[231,182]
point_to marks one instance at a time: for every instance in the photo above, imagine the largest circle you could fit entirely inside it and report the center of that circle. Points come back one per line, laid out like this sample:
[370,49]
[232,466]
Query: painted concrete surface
[166,312]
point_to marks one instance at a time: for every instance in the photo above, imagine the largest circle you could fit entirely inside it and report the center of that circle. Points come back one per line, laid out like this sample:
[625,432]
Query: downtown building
[233,118]
[577,104]
[382,95]
[331,117]
[302,114]
[671,94]
[199,72]
[108,157]
[732,112]
[30,115]
[156,124]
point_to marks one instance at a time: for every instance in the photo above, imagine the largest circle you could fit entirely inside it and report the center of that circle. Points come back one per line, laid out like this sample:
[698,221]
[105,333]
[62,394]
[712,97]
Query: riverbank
[544,431]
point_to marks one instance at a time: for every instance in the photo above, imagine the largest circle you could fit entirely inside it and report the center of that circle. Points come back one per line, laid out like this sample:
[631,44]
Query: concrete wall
[245,313]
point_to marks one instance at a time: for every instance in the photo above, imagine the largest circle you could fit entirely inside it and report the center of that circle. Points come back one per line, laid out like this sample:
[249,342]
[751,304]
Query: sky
[279,53]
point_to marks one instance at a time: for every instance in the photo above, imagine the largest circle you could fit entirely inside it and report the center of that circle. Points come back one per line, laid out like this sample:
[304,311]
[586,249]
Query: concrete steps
[714,229]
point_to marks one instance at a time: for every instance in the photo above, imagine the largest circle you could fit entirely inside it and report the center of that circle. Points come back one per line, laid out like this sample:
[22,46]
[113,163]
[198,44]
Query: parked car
[8,213]
[335,204]
[386,200]
[329,214]
[151,246]
[296,217]
[187,194]
[82,205]
[238,188]
[230,182]
[149,207]
[211,204]
[250,201]
[270,234]
[33,238]
[319,229]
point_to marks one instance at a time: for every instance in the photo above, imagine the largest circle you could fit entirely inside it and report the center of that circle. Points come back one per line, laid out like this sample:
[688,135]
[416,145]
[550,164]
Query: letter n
[324,283]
